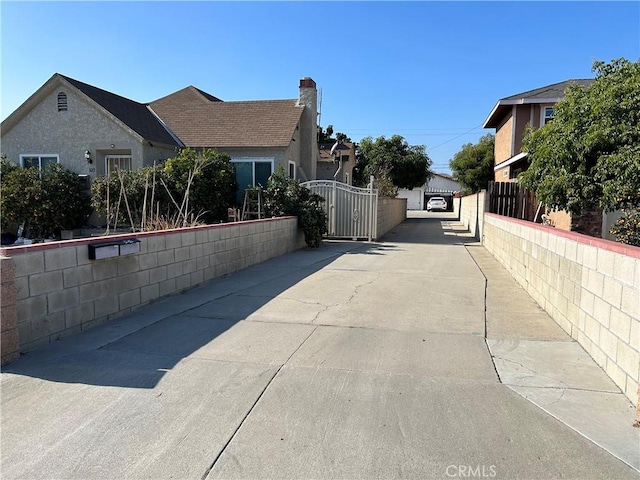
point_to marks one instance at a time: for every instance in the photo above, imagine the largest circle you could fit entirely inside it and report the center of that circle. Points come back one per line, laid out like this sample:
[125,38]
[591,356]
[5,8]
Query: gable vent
[62,102]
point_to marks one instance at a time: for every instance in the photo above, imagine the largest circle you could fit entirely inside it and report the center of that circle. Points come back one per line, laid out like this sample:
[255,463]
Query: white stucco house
[440,185]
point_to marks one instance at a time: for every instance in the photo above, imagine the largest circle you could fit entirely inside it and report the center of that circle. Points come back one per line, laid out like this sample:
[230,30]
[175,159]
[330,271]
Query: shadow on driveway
[137,350]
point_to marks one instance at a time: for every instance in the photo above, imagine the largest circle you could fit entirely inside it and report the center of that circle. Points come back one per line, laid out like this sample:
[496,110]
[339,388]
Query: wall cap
[38,247]
[609,245]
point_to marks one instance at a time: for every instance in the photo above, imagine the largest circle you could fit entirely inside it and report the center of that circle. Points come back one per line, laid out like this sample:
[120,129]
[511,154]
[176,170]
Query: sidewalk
[538,360]
[354,360]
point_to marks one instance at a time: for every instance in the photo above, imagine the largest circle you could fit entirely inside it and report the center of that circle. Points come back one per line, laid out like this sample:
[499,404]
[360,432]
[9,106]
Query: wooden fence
[513,200]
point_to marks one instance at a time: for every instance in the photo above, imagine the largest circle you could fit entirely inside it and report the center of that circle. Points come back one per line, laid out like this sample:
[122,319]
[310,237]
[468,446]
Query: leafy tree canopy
[588,156]
[393,163]
[213,181]
[472,166]
[326,136]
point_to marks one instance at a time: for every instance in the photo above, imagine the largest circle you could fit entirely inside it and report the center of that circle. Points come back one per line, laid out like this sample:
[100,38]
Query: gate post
[333,209]
[371,212]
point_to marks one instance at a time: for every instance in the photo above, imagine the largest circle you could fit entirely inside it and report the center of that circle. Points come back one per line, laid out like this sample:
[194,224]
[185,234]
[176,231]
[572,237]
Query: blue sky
[429,71]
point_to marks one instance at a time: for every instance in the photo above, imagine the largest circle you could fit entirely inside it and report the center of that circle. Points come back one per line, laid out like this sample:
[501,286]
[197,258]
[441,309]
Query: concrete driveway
[354,360]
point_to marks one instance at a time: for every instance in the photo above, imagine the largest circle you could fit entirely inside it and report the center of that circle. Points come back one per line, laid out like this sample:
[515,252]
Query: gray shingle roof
[555,91]
[549,94]
[133,114]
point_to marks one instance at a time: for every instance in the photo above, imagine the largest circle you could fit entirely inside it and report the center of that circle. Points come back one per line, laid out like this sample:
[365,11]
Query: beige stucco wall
[559,219]
[503,141]
[523,118]
[279,155]
[326,171]
[537,112]
[69,134]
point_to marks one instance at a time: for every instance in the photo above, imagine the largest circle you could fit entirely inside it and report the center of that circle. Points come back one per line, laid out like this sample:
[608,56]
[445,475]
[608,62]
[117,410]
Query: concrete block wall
[589,286]
[471,213]
[10,346]
[60,291]
[391,212]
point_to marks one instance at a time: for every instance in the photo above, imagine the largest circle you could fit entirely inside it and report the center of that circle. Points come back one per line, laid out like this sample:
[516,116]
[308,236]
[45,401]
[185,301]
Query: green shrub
[213,183]
[47,203]
[5,168]
[627,228]
[286,196]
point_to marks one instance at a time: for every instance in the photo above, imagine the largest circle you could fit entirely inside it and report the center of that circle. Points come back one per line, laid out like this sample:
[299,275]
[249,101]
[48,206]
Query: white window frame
[121,157]
[295,173]
[544,118]
[40,157]
[253,161]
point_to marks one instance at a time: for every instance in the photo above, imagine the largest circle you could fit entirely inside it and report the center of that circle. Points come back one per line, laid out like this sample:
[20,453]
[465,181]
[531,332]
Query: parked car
[436,203]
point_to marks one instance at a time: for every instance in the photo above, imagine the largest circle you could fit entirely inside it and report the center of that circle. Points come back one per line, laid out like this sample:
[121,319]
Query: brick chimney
[308,127]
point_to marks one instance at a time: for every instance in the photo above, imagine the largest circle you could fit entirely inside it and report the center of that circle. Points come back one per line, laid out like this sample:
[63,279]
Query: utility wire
[455,138]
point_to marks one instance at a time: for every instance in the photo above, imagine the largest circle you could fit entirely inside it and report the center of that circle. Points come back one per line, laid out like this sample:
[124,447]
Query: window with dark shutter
[62,102]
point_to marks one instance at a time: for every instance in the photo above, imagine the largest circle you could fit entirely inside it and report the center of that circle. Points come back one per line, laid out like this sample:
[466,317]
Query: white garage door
[415,198]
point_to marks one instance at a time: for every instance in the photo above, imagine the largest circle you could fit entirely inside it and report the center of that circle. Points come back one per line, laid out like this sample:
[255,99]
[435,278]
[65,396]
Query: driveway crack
[215,460]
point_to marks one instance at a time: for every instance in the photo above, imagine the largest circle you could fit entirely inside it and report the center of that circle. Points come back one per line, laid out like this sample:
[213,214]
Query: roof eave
[30,103]
[497,113]
[105,112]
[491,121]
[510,161]
[179,142]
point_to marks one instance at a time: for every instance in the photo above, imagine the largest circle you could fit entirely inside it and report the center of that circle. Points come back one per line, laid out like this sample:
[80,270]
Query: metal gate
[352,212]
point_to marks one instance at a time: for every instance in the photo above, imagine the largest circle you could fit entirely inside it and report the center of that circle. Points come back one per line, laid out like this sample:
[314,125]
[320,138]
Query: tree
[326,136]
[588,156]
[47,201]
[393,163]
[472,166]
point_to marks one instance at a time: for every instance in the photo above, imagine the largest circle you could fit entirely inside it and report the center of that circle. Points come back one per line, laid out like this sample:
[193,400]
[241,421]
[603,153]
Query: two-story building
[510,117]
